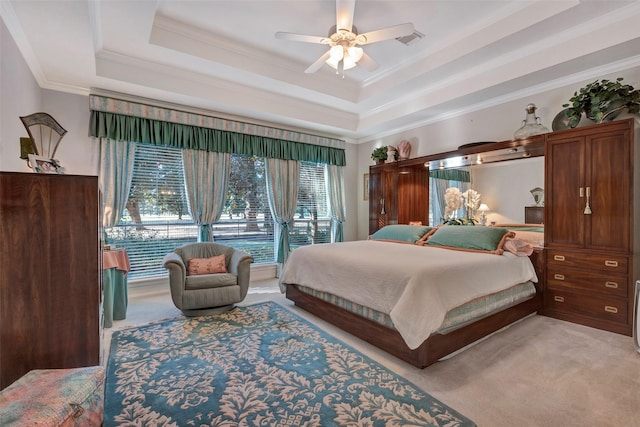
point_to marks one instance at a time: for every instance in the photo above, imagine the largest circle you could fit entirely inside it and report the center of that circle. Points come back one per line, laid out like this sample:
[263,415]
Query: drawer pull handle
[612,285]
[610,309]
[611,263]
[558,299]
[558,257]
[558,276]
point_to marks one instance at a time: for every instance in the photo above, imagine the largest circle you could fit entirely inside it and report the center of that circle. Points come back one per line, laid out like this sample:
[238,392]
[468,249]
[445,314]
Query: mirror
[505,187]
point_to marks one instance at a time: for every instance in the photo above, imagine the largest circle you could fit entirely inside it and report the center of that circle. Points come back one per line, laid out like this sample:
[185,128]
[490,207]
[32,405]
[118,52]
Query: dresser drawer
[610,263]
[602,308]
[585,280]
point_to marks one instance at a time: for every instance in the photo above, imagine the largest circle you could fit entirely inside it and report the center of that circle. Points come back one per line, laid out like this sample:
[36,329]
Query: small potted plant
[602,101]
[379,155]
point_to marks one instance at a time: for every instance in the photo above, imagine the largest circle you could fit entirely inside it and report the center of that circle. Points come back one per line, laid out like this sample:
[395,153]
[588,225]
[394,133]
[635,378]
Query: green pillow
[476,238]
[401,233]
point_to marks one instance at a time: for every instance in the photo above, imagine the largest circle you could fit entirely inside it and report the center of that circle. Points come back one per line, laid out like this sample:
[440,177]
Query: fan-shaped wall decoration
[45,134]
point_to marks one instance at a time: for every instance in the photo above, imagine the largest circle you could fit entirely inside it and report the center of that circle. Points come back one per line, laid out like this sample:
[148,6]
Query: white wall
[19,95]
[496,123]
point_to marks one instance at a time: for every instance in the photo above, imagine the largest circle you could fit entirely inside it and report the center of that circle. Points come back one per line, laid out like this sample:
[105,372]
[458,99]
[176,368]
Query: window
[312,221]
[439,181]
[157,220]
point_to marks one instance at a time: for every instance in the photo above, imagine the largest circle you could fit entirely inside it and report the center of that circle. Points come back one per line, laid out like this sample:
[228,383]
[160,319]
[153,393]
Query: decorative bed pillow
[401,233]
[215,264]
[518,247]
[531,233]
[471,238]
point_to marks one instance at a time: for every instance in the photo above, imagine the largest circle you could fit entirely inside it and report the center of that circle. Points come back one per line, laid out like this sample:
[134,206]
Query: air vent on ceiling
[411,38]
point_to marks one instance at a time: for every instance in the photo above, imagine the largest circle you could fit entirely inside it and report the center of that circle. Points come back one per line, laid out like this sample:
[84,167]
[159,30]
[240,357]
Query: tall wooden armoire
[49,273]
[589,225]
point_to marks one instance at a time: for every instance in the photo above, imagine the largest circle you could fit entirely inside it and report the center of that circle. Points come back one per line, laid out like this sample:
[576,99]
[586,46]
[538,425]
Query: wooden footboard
[436,346]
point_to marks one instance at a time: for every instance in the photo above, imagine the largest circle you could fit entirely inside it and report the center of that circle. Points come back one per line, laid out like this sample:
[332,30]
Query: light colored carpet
[538,372]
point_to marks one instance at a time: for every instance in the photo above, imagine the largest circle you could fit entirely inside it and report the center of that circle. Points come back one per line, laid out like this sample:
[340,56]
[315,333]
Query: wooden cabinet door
[375,196]
[413,195]
[609,183]
[588,195]
[564,204]
[383,196]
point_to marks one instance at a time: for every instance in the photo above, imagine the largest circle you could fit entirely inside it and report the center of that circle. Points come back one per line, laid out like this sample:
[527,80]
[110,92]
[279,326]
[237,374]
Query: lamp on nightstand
[483,209]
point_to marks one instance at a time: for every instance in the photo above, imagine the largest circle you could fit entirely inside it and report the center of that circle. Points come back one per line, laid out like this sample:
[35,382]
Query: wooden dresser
[534,214]
[589,229]
[49,275]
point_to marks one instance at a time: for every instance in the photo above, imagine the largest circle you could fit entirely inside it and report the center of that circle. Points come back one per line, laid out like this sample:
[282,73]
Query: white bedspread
[415,285]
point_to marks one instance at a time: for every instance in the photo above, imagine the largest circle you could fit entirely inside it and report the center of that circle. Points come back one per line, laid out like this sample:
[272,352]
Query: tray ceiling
[222,56]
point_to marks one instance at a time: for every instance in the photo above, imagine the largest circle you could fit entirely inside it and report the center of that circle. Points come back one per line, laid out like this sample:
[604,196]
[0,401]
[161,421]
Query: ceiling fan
[344,41]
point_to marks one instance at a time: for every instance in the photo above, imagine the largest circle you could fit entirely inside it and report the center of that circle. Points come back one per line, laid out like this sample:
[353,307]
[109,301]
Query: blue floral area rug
[260,365]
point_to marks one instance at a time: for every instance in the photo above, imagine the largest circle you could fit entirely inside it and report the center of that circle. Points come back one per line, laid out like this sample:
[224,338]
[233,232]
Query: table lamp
[483,209]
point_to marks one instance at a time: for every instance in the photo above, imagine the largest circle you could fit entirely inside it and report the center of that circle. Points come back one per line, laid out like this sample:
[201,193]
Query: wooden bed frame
[436,346]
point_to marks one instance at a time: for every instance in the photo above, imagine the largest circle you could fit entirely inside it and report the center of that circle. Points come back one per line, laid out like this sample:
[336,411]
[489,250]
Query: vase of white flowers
[472,203]
[454,199]
[452,202]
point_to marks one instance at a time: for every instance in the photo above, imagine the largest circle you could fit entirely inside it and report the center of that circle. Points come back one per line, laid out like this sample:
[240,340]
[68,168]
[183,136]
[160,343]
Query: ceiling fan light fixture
[355,53]
[336,53]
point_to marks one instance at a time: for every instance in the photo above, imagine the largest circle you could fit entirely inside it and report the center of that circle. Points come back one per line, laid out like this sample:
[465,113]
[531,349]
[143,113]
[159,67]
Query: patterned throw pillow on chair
[215,264]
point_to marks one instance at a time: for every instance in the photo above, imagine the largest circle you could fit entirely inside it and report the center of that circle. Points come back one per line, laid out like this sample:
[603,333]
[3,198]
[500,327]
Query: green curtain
[206,175]
[122,127]
[116,172]
[451,174]
[335,184]
[282,191]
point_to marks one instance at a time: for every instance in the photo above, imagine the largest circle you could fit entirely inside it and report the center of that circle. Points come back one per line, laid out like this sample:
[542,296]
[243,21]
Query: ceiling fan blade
[385,34]
[344,14]
[319,63]
[367,63]
[302,38]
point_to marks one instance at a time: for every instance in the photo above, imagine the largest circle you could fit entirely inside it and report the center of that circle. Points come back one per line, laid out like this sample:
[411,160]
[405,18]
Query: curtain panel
[116,172]
[128,121]
[282,192]
[206,176]
[335,182]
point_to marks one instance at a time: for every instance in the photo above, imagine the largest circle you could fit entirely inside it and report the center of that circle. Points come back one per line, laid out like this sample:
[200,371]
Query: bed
[416,294]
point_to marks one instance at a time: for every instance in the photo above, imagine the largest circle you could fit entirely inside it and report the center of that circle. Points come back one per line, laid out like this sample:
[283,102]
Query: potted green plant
[602,101]
[379,154]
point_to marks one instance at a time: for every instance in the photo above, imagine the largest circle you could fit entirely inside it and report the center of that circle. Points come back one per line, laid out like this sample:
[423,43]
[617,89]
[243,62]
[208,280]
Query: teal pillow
[401,233]
[475,238]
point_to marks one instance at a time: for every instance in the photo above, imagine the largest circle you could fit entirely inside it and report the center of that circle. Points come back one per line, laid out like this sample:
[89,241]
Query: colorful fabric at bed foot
[55,397]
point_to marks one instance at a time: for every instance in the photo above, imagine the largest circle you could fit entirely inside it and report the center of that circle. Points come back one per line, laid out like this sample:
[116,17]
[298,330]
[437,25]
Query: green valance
[451,174]
[175,129]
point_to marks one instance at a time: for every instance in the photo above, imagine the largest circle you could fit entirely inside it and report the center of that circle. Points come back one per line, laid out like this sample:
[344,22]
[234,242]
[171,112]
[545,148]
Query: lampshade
[355,53]
[336,53]
[483,213]
[349,57]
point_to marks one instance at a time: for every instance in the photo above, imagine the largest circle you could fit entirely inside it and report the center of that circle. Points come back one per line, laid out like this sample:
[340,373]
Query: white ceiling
[222,56]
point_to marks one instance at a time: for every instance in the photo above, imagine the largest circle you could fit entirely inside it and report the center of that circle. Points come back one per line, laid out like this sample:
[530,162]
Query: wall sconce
[45,134]
[483,209]
[27,147]
[538,196]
